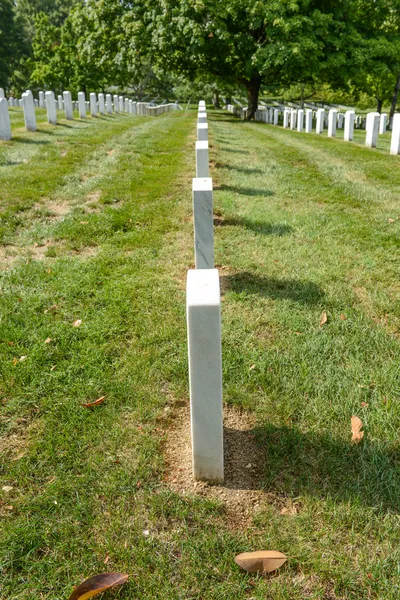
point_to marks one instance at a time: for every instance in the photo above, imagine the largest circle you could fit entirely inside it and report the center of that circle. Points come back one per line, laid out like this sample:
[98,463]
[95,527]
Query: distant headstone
[372,129]
[203,308]
[116,103]
[203,223]
[102,108]
[202,117]
[134,108]
[29,111]
[2,95]
[383,123]
[202,166]
[202,132]
[121,104]
[68,105]
[320,120]
[349,125]
[82,105]
[51,108]
[5,126]
[276,116]
[60,102]
[300,120]
[395,141]
[93,104]
[309,114]
[340,121]
[109,104]
[332,120]
[293,119]
[41,100]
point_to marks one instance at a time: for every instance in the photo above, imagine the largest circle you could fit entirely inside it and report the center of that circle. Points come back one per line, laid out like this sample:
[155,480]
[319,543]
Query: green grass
[95,225]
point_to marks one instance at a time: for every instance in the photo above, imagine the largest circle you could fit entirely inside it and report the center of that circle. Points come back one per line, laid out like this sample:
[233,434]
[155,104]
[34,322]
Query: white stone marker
[202,118]
[202,168]
[68,106]
[202,104]
[395,141]
[109,104]
[116,105]
[126,105]
[320,120]
[286,119]
[293,119]
[121,104]
[130,107]
[202,132]
[29,111]
[340,121]
[332,120]
[372,128]
[349,125]
[203,223]
[134,108]
[276,116]
[41,99]
[300,120]
[203,309]
[308,120]
[102,107]
[383,123]
[51,108]
[5,127]
[82,105]
[93,104]
[60,102]
[2,95]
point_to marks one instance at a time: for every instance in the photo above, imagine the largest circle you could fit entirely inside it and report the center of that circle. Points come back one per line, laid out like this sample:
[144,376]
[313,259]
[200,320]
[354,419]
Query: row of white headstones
[98,104]
[302,120]
[203,305]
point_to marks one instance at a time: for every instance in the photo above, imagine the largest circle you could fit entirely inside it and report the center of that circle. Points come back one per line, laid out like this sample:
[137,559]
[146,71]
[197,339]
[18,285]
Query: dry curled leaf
[391,220]
[95,403]
[324,318]
[356,426]
[364,405]
[7,488]
[98,584]
[264,561]
[47,340]
[77,323]
[343,317]
[22,358]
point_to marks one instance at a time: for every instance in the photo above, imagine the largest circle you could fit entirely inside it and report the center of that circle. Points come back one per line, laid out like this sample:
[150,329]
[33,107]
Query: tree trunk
[253,89]
[379,105]
[394,100]
[302,96]
[216,99]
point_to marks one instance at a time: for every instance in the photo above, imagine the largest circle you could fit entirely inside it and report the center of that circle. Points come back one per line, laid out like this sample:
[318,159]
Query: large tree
[12,44]
[252,42]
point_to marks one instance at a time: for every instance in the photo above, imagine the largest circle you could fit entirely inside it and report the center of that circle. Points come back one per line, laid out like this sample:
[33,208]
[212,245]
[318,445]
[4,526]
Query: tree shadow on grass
[292,463]
[278,229]
[246,191]
[249,170]
[304,292]
[225,149]
[23,140]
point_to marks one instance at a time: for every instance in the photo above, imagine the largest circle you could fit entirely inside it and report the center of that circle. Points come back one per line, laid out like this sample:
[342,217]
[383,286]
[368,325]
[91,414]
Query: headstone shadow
[277,229]
[297,290]
[244,191]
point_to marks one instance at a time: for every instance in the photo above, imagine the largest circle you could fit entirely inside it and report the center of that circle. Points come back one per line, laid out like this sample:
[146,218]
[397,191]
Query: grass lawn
[96,226]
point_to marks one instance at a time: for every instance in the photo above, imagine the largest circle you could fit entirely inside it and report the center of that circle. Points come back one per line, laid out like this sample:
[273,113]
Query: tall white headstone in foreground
[102,109]
[93,104]
[203,306]
[202,167]
[68,105]
[51,108]
[5,127]
[383,123]
[395,141]
[202,132]
[203,223]
[300,119]
[109,104]
[372,128]
[29,111]
[308,120]
[82,105]
[320,120]
[349,125]
[332,120]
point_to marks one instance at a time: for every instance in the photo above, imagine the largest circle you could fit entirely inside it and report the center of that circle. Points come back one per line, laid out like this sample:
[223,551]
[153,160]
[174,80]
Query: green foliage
[12,44]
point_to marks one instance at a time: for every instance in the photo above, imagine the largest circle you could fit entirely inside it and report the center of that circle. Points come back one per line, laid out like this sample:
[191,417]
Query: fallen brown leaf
[364,404]
[324,318]
[47,340]
[95,403]
[15,360]
[264,561]
[98,584]
[356,426]
[252,367]
[51,309]
[343,317]
[77,323]
[7,488]
[391,220]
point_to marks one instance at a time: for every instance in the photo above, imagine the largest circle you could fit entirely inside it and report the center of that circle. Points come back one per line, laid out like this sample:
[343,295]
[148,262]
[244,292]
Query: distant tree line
[164,47]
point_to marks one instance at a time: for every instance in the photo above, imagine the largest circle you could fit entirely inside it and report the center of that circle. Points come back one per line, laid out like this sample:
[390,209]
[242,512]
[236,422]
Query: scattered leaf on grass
[264,561]
[252,367]
[47,340]
[51,309]
[7,488]
[15,360]
[356,426]
[343,317]
[324,318]
[22,358]
[391,220]
[77,323]
[95,403]
[364,404]
[98,584]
